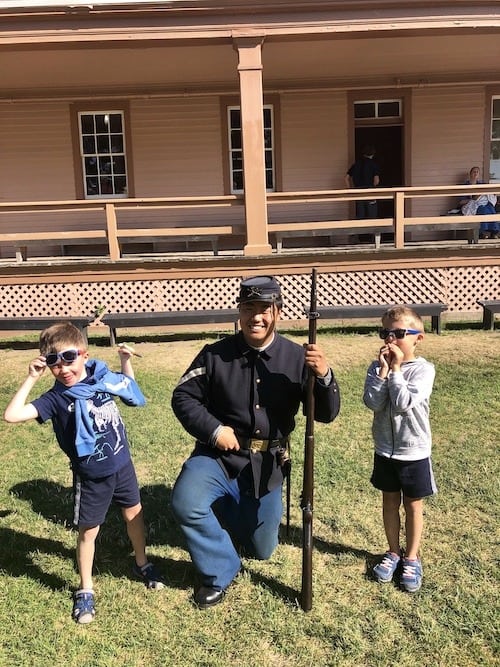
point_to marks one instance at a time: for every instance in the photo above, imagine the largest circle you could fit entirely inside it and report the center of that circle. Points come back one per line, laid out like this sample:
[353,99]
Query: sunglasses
[67,356]
[397,333]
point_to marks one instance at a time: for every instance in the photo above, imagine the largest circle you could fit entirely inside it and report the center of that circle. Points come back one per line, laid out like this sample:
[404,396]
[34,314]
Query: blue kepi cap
[260,288]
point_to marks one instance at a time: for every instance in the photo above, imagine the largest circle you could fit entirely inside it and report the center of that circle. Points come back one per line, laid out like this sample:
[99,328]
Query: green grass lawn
[452,621]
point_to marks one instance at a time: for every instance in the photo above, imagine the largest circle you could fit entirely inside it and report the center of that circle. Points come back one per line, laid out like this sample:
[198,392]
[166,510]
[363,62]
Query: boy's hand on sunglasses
[37,367]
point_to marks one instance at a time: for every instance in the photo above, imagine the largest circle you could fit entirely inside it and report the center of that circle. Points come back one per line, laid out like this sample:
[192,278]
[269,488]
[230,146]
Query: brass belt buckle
[258,446]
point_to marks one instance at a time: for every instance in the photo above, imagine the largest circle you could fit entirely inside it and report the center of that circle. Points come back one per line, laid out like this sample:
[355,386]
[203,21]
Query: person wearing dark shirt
[364,173]
[238,399]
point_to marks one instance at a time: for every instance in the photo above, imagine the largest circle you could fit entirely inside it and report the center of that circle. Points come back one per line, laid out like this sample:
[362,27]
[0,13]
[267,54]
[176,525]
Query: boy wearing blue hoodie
[90,431]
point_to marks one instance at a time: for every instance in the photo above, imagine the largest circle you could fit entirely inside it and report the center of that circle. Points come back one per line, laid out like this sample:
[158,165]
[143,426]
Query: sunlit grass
[452,621]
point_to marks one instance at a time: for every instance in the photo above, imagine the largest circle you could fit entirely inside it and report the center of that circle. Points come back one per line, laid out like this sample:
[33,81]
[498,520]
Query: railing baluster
[114,247]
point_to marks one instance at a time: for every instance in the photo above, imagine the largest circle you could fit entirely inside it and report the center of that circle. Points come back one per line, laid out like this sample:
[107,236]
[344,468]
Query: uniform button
[257,432]
[257,380]
[257,407]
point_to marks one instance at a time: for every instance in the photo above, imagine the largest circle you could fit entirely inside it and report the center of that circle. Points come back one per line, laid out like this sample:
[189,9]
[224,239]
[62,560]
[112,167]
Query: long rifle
[308,482]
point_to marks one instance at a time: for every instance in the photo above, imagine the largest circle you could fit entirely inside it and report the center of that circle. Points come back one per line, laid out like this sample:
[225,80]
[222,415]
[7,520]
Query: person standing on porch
[239,398]
[364,173]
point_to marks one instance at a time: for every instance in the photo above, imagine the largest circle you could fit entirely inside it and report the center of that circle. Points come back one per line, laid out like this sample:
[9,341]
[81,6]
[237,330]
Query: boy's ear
[419,337]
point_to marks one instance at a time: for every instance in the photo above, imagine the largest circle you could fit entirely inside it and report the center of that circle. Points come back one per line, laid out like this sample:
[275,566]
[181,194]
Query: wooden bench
[330,233]
[471,229]
[40,323]
[489,310]
[169,318]
[347,312]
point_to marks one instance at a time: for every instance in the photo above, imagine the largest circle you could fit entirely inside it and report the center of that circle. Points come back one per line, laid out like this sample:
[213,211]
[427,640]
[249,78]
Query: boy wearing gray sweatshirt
[398,387]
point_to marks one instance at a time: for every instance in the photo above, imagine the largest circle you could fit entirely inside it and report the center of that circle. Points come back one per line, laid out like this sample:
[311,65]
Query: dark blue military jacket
[257,393]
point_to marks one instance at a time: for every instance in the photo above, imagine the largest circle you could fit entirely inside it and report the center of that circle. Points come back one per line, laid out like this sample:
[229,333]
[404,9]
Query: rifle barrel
[308,480]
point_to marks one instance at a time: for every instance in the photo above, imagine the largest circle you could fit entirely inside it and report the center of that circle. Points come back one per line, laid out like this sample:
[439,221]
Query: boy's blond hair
[59,335]
[396,313]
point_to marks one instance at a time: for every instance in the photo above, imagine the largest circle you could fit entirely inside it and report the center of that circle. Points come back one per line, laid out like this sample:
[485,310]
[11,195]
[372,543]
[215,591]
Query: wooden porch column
[252,129]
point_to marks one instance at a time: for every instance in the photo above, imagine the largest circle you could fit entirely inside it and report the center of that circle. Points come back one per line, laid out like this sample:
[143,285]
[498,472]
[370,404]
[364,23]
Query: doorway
[388,142]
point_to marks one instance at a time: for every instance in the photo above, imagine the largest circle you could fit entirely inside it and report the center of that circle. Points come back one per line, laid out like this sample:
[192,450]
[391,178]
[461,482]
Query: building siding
[447,140]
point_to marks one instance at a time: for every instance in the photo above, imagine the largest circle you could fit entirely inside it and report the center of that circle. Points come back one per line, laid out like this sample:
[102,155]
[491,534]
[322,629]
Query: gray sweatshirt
[400,404]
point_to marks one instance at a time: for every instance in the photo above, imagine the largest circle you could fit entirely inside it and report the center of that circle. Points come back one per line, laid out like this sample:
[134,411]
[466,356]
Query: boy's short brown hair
[59,335]
[396,313]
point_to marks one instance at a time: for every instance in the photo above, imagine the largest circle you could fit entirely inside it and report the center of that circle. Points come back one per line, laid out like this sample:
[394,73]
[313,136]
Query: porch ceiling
[174,68]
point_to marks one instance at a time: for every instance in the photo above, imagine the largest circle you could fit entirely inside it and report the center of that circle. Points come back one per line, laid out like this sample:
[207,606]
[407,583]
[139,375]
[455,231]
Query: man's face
[258,322]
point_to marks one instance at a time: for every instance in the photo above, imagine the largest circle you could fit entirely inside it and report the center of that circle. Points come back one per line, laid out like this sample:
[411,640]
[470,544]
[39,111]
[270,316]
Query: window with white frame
[102,149]
[236,149]
[494,176]
[377,109]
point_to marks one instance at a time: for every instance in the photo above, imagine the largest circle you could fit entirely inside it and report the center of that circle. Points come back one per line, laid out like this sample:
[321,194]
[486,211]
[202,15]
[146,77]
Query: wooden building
[151,153]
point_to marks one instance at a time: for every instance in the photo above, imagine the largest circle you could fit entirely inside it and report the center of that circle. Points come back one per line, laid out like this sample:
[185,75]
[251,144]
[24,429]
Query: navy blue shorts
[414,478]
[93,497]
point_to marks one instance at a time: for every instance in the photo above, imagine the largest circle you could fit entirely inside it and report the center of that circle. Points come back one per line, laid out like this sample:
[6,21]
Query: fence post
[399,219]
[114,248]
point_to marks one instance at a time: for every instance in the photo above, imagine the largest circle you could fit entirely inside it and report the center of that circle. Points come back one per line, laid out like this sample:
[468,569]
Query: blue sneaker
[384,571]
[83,606]
[149,575]
[411,577]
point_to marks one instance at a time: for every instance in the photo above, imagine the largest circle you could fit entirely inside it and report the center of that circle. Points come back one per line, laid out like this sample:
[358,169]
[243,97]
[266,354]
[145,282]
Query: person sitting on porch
[483,204]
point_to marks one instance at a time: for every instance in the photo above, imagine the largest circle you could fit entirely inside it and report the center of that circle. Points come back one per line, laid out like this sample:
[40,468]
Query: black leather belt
[255,445]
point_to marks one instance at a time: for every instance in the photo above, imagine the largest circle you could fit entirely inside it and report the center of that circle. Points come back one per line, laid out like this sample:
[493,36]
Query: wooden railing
[100,219]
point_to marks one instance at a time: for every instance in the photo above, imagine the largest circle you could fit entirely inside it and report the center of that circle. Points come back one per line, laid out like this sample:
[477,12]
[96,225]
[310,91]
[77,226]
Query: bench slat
[372,311]
[181,317]
[40,323]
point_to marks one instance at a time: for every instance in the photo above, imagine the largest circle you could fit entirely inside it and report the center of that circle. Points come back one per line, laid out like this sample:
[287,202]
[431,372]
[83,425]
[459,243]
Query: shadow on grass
[16,559]
[113,550]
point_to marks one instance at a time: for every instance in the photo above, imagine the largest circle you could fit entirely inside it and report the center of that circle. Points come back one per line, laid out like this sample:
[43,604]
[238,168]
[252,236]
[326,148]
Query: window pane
[235,118]
[101,123]
[91,186]
[389,109]
[268,157]
[496,108]
[237,161]
[104,165]
[116,143]
[495,161]
[495,150]
[495,129]
[115,122]
[268,138]
[90,166]
[87,122]
[119,165]
[120,184]
[103,144]
[236,139]
[106,185]
[88,145]
[267,117]
[237,180]
[364,110]
[269,180]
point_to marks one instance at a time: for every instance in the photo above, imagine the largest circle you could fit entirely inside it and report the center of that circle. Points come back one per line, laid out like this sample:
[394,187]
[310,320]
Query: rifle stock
[308,480]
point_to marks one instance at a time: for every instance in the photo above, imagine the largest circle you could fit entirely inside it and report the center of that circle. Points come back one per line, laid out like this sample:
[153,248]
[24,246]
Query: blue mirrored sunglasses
[66,356]
[397,333]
